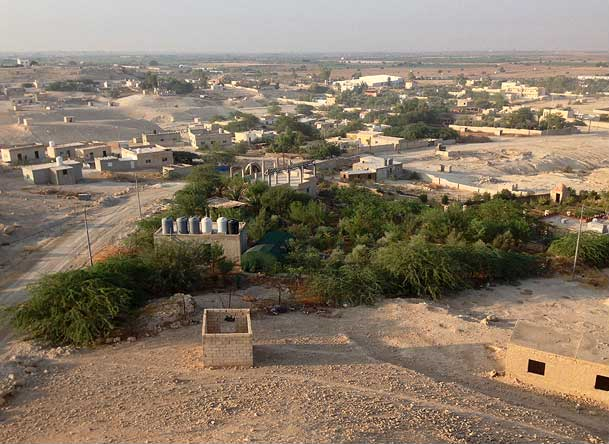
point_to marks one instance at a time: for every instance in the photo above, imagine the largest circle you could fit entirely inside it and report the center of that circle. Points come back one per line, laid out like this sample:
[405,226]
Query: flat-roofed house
[148,156]
[165,138]
[372,168]
[60,172]
[25,154]
[560,361]
[202,138]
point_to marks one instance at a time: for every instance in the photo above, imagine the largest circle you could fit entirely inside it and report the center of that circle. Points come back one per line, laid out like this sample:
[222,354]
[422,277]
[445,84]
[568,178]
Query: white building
[376,81]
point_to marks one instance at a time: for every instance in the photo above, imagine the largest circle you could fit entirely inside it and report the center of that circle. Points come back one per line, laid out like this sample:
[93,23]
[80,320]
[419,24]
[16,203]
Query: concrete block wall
[227,344]
[562,374]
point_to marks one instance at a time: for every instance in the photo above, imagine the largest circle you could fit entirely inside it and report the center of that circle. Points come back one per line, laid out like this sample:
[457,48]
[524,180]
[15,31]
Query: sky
[292,26]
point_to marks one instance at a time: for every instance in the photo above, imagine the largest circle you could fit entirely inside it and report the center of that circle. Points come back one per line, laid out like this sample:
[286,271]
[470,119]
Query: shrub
[259,262]
[73,307]
[593,248]
[349,284]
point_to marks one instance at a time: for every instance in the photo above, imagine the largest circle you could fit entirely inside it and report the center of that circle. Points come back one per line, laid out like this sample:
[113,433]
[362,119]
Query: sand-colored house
[560,361]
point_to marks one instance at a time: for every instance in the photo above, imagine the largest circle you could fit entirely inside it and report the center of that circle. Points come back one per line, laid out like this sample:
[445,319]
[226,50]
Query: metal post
[137,191]
[579,235]
[88,239]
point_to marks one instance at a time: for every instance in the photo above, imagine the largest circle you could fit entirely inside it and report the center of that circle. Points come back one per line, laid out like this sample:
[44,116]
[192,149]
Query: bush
[259,262]
[593,248]
[349,284]
[74,307]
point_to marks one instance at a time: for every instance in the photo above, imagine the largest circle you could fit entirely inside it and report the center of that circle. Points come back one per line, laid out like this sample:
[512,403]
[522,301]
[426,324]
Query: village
[362,249]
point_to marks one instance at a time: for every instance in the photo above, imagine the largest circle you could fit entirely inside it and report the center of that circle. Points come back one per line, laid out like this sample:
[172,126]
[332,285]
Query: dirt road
[106,225]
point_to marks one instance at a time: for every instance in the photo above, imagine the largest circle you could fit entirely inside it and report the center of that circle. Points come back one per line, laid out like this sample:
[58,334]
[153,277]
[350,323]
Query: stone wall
[227,344]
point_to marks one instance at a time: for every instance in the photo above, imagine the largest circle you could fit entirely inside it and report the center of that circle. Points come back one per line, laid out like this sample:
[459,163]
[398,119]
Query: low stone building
[87,151]
[560,361]
[25,154]
[559,193]
[233,245]
[227,338]
[201,138]
[372,168]
[165,138]
[61,172]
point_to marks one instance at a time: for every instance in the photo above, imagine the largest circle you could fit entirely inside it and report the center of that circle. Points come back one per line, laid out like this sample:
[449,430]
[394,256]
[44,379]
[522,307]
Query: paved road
[106,225]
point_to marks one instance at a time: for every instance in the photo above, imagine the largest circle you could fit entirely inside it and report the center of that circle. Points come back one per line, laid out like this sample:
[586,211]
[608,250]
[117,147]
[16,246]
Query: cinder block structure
[575,364]
[227,338]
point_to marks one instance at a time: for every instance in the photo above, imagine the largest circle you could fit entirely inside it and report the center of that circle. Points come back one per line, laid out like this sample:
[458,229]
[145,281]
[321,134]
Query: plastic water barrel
[222,225]
[233,226]
[182,223]
[167,225]
[207,225]
[193,225]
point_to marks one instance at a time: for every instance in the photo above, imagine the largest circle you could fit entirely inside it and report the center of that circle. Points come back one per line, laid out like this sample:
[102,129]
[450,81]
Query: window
[148,161]
[537,367]
[602,383]
[19,156]
[36,155]
[104,154]
[164,159]
[64,172]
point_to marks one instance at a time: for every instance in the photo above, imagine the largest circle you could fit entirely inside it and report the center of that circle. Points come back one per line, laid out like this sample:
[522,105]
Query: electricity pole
[88,239]
[137,191]
[579,235]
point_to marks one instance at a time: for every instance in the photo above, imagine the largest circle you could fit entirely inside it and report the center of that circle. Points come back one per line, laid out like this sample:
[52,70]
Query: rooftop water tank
[233,226]
[167,225]
[51,143]
[207,225]
[59,160]
[222,225]
[193,225]
[182,223]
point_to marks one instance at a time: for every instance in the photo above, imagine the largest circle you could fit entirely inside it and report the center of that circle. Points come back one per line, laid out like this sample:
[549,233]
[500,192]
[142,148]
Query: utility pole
[579,235]
[88,239]
[137,191]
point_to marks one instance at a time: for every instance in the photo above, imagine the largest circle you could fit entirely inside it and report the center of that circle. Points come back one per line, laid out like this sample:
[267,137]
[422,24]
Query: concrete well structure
[227,338]
[559,361]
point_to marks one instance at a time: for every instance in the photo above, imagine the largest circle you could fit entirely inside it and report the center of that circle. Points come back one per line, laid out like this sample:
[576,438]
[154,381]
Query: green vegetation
[593,248]
[78,306]
[83,85]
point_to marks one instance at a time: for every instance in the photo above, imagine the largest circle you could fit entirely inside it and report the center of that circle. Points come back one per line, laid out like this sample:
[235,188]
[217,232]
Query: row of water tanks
[194,225]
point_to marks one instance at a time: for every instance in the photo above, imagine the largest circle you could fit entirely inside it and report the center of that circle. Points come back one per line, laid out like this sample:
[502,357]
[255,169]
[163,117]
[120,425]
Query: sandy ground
[403,371]
[535,164]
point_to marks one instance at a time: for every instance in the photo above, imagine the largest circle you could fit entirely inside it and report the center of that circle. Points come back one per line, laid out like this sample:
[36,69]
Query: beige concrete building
[516,89]
[166,138]
[559,193]
[227,338]
[147,156]
[202,138]
[233,245]
[87,151]
[372,168]
[25,154]
[61,172]
[559,361]
[564,113]
[377,138]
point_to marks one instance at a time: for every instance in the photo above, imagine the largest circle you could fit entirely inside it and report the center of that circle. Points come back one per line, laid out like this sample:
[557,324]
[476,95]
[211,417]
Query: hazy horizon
[274,26]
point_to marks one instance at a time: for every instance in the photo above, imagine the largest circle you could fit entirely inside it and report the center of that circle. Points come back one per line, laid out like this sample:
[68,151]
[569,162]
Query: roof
[27,146]
[354,172]
[585,346]
[45,166]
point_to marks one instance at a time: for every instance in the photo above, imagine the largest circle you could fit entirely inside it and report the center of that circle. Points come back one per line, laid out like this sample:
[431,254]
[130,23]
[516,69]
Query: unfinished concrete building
[60,172]
[227,338]
[575,364]
[25,154]
[372,168]
[87,151]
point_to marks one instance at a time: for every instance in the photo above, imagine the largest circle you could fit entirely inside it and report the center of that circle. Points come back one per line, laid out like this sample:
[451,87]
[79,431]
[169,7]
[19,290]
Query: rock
[9,229]
[488,319]
[131,339]
[526,291]
[166,313]
[116,340]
